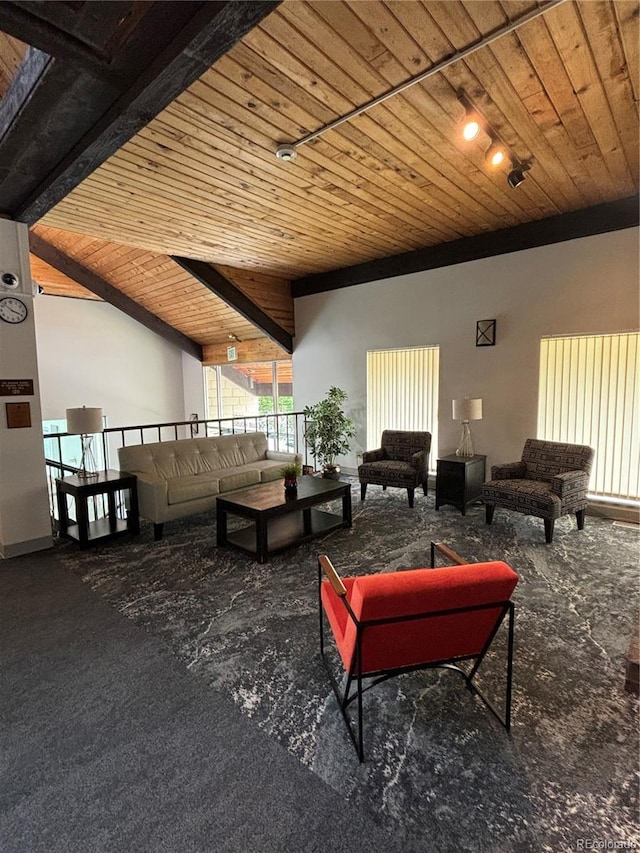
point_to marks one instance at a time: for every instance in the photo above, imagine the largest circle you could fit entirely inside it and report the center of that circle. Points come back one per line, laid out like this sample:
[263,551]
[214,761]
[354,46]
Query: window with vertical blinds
[402,393]
[590,394]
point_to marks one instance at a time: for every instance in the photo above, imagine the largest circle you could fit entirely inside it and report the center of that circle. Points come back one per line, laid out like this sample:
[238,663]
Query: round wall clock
[12,309]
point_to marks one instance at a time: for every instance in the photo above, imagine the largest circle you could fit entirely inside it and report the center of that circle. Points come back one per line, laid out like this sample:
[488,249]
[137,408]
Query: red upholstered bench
[387,624]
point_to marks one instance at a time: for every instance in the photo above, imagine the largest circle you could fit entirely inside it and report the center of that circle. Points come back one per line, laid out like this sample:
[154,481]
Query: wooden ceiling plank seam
[320,64]
[305,208]
[231,178]
[82,220]
[109,293]
[402,209]
[195,48]
[627,17]
[370,177]
[197,226]
[587,84]
[295,69]
[276,299]
[195,222]
[601,27]
[274,261]
[228,291]
[329,232]
[582,165]
[309,196]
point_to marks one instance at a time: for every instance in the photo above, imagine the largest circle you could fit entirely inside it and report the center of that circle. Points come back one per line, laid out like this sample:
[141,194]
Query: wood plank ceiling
[202,181]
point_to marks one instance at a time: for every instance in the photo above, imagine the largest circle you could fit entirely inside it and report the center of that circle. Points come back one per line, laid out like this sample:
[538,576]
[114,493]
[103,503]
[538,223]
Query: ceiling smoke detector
[286,153]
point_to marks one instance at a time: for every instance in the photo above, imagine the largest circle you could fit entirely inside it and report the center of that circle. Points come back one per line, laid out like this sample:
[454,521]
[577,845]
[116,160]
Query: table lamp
[466,409]
[86,422]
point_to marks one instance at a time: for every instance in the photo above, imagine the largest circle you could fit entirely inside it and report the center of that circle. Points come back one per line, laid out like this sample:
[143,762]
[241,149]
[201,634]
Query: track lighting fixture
[496,154]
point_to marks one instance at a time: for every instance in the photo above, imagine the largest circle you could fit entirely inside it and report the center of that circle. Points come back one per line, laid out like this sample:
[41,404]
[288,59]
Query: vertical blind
[402,393]
[589,393]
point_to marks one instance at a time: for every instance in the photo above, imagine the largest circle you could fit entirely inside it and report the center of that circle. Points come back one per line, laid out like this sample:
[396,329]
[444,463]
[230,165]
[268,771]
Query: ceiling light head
[286,152]
[471,125]
[516,175]
[496,154]
[472,122]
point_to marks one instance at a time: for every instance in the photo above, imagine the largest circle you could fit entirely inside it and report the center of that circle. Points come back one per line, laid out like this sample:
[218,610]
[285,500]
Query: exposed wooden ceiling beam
[611,216]
[233,296]
[207,36]
[85,277]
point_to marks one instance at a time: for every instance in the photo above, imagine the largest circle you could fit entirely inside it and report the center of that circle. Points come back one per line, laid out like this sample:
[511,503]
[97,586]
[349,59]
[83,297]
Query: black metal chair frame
[354,672]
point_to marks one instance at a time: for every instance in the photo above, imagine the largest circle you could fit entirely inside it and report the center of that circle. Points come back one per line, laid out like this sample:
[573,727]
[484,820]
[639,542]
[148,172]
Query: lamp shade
[84,421]
[467,409]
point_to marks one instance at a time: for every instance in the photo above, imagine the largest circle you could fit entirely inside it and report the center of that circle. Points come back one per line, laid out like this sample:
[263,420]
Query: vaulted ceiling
[150,162]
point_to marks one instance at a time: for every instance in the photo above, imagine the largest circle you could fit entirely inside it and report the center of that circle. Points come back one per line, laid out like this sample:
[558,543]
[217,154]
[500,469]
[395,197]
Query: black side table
[459,480]
[107,483]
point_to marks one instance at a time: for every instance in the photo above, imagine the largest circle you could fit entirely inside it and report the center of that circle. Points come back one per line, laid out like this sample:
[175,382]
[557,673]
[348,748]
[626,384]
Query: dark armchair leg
[410,493]
[548,530]
[580,519]
[489,509]
[157,531]
[363,490]
[425,487]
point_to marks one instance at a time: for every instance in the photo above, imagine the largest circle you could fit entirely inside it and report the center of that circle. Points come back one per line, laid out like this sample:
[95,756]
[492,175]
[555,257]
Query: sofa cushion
[181,489]
[185,457]
[391,472]
[238,478]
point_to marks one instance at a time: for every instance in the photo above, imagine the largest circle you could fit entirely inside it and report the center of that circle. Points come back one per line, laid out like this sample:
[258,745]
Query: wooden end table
[459,480]
[81,489]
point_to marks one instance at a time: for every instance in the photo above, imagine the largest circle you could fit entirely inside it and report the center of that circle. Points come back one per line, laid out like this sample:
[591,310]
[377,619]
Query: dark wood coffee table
[279,521]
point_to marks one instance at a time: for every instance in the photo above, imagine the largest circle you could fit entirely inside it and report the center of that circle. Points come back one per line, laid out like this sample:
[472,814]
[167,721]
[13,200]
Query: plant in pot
[291,471]
[328,430]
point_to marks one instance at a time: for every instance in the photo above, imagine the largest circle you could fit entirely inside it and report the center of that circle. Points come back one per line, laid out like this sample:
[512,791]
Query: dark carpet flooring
[109,745]
[441,774]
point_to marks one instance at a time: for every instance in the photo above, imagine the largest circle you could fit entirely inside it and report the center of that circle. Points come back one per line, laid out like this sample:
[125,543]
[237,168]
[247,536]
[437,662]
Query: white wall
[91,354]
[584,286]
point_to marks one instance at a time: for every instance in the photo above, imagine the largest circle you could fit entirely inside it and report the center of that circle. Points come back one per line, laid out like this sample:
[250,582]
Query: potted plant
[328,430]
[291,471]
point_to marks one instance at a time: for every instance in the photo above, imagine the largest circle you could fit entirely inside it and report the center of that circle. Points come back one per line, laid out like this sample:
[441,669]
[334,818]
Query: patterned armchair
[402,460]
[550,480]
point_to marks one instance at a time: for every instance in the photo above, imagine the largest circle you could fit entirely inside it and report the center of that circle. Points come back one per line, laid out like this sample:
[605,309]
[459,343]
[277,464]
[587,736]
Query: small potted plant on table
[328,430]
[291,471]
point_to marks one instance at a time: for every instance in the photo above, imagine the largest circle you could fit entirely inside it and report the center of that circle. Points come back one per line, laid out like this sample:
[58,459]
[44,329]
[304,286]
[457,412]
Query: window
[237,392]
[402,392]
[247,390]
[589,394]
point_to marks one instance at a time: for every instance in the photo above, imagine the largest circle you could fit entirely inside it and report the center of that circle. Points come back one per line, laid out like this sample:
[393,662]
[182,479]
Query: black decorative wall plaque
[485,333]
